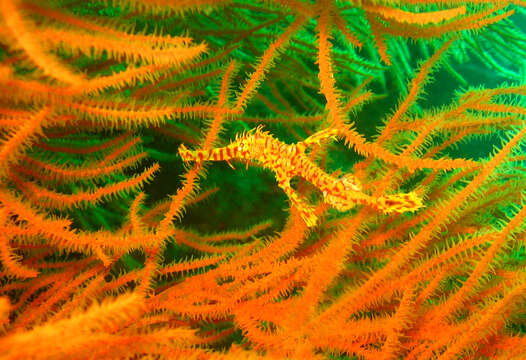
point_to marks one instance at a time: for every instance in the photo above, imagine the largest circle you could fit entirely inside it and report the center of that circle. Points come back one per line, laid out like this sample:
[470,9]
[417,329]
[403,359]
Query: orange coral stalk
[137,225]
[499,239]
[28,41]
[124,116]
[401,321]
[487,322]
[159,41]
[117,48]
[95,331]
[91,149]
[60,173]
[191,265]
[431,17]
[266,62]
[417,83]
[236,234]
[49,198]
[181,238]
[11,263]
[5,307]
[11,148]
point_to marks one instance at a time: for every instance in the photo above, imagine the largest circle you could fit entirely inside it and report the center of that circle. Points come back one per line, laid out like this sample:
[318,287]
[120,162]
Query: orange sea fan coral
[405,234]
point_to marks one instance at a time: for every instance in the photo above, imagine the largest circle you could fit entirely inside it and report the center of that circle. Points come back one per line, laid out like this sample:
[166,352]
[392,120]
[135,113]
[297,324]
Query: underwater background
[279,179]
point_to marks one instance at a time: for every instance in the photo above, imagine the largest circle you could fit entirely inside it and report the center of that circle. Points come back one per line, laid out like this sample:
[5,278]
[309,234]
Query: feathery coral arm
[29,42]
[62,173]
[78,22]
[56,231]
[417,84]
[5,308]
[266,62]
[10,260]
[53,199]
[472,21]
[235,234]
[120,115]
[60,292]
[106,144]
[11,148]
[121,48]
[191,264]
[431,17]
[399,323]
[171,6]
[136,222]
